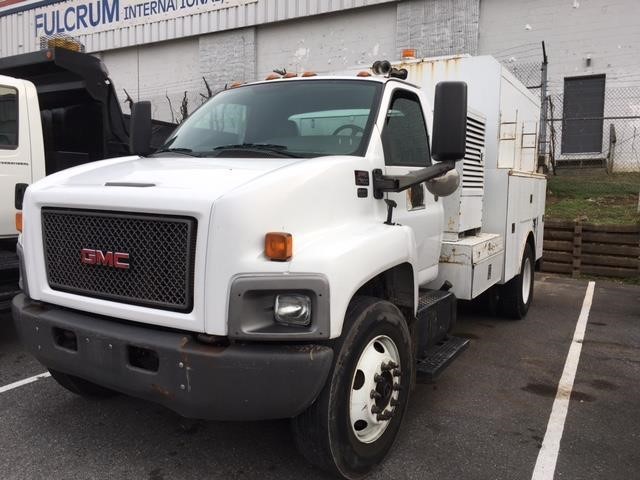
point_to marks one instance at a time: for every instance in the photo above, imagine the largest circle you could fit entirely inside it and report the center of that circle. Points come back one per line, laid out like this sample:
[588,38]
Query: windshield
[294,118]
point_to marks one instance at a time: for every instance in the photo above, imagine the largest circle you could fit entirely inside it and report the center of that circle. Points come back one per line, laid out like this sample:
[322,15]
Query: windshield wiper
[266,147]
[184,151]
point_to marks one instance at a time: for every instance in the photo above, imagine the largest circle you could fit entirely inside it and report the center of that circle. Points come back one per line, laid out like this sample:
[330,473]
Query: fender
[368,251]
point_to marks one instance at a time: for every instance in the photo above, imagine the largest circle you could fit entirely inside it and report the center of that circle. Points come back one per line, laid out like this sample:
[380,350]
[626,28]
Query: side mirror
[444,185]
[449,122]
[140,129]
[19,192]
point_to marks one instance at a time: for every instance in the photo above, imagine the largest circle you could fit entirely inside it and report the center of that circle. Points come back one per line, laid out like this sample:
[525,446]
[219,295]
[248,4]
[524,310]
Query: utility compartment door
[15,162]
[525,210]
[471,264]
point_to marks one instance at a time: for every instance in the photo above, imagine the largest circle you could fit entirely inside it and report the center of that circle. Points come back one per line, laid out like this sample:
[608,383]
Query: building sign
[8,7]
[56,17]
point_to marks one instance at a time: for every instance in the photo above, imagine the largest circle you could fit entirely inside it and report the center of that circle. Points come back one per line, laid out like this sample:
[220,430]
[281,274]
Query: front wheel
[353,424]
[517,294]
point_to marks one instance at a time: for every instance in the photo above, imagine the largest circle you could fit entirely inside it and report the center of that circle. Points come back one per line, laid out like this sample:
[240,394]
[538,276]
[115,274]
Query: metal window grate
[161,256]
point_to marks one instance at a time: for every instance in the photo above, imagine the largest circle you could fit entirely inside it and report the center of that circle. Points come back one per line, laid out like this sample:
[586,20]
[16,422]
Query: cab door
[403,129]
[15,162]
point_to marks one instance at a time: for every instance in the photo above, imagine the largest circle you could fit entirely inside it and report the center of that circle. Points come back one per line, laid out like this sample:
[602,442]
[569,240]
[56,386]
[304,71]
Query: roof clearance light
[236,84]
[278,246]
[309,74]
[409,54]
[290,75]
[364,73]
[273,76]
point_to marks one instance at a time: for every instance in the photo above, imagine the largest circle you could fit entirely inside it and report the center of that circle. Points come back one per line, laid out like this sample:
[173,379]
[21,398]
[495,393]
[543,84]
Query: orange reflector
[309,74]
[278,246]
[290,75]
[19,221]
[364,73]
[236,85]
[273,76]
[409,53]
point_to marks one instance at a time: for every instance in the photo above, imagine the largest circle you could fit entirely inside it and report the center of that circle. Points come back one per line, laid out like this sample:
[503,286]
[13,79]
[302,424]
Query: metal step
[428,298]
[439,357]
[7,292]
[8,260]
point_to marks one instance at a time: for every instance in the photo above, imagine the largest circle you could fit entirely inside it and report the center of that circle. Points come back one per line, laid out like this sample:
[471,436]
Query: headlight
[293,309]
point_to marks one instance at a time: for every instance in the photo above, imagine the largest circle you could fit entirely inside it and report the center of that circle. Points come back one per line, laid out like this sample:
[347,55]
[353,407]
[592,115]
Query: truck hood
[215,175]
[182,186]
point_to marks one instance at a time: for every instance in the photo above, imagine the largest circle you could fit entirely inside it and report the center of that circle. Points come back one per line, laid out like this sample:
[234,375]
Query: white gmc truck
[295,250]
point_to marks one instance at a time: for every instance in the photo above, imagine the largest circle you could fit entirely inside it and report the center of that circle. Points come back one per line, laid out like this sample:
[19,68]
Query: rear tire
[517,293]
[339,433]
[80,386]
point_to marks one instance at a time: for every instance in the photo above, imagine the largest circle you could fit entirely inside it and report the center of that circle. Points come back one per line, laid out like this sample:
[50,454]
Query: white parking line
[548,455]
[26,381]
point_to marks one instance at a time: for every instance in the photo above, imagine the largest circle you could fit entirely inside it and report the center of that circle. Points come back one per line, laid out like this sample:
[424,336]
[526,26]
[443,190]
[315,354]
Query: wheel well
[395,285]
[531,241]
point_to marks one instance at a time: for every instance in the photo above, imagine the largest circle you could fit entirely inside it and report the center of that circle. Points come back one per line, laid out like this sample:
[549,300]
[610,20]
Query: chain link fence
[589,140]
[580,139]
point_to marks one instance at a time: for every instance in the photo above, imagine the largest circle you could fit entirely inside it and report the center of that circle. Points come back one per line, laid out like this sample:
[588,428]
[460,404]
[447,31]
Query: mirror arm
[398,183]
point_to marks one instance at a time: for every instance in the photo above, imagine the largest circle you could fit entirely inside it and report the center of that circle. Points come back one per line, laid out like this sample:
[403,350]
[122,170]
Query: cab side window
[8,118]
[404,136]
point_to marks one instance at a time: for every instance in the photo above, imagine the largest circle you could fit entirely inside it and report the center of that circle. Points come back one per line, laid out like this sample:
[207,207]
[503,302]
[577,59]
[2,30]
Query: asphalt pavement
[485,418]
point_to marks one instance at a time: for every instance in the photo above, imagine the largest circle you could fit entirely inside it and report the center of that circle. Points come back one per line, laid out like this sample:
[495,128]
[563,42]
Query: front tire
[354,422]
[517,293]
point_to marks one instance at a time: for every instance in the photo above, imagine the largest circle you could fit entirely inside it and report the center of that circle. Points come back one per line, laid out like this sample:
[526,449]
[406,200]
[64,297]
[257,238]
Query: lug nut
[386,415]
[374,394]
[376,409]
[397,387]
[397,372]
[394,402]
[377,378]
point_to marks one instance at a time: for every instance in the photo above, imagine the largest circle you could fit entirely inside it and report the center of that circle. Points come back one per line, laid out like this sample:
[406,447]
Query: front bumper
[235,382]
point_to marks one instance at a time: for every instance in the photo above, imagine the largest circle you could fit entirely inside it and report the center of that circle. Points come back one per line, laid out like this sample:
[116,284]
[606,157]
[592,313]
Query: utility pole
[542,141]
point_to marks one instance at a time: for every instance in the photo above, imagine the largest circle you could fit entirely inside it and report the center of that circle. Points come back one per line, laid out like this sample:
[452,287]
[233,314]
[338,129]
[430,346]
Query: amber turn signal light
[19,221]
[278,246]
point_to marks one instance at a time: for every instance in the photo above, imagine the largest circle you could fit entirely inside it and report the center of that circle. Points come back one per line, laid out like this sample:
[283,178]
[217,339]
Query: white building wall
[606,30]
[328,43]
[17,31]
[155,72]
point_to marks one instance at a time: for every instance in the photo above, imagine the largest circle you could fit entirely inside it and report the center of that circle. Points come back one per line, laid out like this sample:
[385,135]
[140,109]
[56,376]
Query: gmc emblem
[89,256]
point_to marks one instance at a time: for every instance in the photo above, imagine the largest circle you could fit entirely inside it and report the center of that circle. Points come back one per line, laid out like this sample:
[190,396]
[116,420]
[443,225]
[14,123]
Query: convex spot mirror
[449,122]
[444,185]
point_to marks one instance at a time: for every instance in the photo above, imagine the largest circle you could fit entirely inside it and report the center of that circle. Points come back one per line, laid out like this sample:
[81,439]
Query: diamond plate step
[439,357]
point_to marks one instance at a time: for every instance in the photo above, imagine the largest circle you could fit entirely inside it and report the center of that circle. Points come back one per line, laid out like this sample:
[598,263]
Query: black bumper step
[8,260]
[439,357]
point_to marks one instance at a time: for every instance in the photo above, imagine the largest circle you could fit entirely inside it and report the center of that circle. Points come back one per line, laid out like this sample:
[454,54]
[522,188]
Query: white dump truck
[295,250]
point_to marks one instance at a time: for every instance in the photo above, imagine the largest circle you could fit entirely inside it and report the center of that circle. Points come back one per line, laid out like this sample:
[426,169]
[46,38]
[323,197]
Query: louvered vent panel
[473,164]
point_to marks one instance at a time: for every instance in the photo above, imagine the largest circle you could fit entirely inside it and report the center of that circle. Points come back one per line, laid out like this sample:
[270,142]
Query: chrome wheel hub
[375,389]
[527,274]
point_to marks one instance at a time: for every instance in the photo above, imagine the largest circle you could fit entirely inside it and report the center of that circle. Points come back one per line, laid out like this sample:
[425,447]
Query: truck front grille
[157,273]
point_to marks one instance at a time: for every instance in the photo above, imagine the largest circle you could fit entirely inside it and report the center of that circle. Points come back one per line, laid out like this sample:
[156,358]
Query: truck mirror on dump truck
[19,192]
[449,122]
[140,129]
